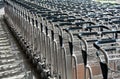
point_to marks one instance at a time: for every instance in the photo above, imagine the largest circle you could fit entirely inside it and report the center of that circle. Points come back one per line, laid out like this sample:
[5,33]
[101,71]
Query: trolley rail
[13,64]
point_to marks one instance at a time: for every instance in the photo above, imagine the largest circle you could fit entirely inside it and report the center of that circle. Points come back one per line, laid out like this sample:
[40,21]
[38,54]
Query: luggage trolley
[56,21]
[47,38]
[108,54]
[76,57]
[68,38]
[39,32]
[55,40]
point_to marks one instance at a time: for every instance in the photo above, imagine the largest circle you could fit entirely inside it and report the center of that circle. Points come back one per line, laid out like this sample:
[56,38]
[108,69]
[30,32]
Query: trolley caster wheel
[36,60]
[23,39]
[40,67]
[29,53]
[25,43]
[20,36]
[27,46]
[52,78]
[45,74]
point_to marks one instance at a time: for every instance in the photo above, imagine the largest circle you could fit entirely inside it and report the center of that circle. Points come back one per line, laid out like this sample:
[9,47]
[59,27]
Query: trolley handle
[58,19]
[72,28]
[104,41]
[117,7]
[57,14]
[65,20]
[66,23]
[106,19]
[45,15]
[80,36]
[108,32]
[73,19]
[87,27]
[41,12]
[107,14]
[91,15]
[40,7]
[51,17]
[27,7]
[97,26]
[55,17]
[111,32]
[88,33]
[66,17]
[84,22]
[45,10]
[54,12]
[115,21]
[116,17]
[32,10]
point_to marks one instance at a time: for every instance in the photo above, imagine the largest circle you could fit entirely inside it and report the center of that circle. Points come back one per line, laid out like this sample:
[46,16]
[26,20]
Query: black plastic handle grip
[106,41]
[109,32]
[84,22]
[97,26]
[66,23]
[115,21]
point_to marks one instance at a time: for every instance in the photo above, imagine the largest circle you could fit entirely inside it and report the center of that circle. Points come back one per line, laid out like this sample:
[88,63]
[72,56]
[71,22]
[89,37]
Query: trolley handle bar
[87,27]
[84,22]
[105,41]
